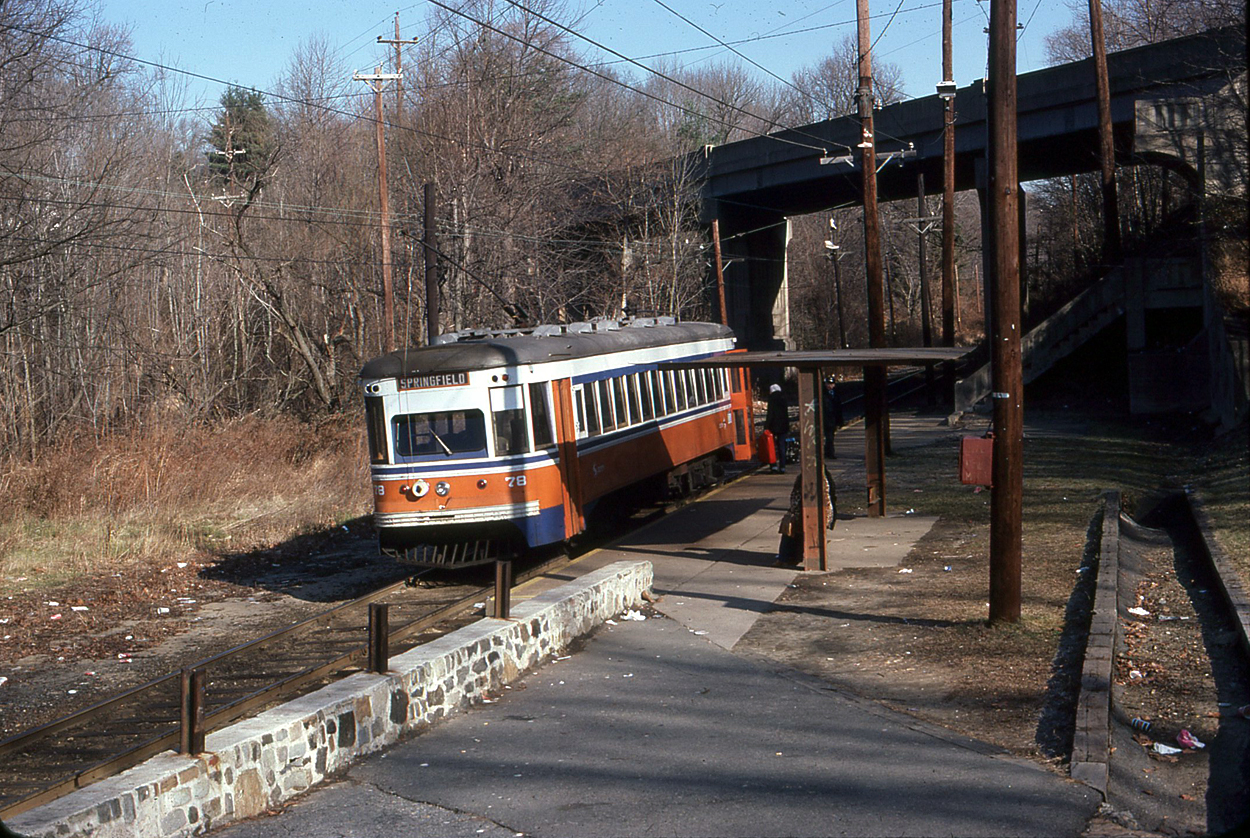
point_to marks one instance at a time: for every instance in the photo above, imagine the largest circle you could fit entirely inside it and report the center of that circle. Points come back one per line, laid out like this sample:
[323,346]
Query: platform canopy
[810,365]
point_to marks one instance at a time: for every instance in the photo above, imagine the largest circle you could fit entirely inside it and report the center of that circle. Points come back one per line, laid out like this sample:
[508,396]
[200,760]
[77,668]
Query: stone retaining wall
[260,762]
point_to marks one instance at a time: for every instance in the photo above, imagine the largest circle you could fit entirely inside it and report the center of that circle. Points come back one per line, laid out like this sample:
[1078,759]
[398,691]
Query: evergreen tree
[242,139]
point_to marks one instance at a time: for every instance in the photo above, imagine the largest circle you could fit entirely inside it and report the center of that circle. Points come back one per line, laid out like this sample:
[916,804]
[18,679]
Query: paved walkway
[656,728]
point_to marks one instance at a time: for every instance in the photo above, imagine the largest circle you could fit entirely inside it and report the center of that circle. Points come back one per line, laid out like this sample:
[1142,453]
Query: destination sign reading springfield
[426,382]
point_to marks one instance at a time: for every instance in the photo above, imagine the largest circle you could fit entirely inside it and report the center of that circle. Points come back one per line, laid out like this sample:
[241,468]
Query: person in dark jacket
[832,414]
[777,423]
[790,550]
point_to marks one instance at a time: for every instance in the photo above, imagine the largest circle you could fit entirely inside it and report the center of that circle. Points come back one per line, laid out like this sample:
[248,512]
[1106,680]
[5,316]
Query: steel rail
[240,707]
[18,741]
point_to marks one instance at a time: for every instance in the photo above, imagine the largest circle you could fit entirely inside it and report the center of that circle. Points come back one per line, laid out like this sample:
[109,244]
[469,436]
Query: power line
[887,26]
[753,63]
[642,66]
[285,98]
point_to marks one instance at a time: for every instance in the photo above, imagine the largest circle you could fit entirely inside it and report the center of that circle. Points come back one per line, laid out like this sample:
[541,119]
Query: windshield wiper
[439,440]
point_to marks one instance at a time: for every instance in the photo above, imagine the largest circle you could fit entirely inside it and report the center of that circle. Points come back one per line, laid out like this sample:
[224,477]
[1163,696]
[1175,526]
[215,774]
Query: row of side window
[610,404]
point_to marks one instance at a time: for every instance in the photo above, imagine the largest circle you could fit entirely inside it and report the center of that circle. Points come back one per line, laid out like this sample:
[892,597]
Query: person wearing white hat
[777,422]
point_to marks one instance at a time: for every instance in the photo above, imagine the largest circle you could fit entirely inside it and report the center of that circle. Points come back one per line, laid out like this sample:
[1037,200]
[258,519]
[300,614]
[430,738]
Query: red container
[768,448]
[976,460]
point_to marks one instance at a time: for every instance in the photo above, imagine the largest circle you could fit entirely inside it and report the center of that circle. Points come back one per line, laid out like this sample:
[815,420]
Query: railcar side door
[743,413]
[566,442]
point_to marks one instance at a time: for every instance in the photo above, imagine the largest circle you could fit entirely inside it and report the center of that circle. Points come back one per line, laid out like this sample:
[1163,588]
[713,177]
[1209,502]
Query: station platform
[655,726]
[715,560]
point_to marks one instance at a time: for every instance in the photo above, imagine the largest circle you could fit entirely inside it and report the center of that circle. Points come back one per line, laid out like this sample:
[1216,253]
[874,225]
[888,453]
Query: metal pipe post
[503,589]
[191,727]
[379,637]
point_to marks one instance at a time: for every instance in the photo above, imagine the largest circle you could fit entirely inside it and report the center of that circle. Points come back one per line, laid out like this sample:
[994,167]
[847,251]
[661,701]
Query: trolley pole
[1007,380]
[377,82]
[1106,141]
[874,376]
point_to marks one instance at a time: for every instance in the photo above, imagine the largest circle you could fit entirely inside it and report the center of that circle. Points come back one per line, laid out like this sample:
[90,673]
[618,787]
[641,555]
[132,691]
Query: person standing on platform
[777,423]
[790,550]
[832,414]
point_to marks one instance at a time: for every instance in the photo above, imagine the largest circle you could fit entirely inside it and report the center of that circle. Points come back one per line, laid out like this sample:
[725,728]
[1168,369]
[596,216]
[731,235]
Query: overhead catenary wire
[735,51]
[654,72]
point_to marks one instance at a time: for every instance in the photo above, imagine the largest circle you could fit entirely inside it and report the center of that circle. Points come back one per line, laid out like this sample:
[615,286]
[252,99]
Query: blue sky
[250,43]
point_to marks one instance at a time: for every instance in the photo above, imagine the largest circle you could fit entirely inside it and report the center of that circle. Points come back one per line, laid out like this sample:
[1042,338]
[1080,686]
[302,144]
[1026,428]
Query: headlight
[442,489]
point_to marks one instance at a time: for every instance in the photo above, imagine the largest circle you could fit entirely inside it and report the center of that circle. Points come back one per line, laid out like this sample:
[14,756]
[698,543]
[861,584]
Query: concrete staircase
[1138,284]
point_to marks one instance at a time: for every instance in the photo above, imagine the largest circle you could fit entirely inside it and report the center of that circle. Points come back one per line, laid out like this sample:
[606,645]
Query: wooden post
[1106,140]
[926,329]
[836,256]
[384,222]
[811,466]
[431,268]
[720,272]
[874,377]
[1007,390]
[948,192]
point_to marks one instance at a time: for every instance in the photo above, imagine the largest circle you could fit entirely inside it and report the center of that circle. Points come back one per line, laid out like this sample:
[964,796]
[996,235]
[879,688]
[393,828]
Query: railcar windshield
[435,436]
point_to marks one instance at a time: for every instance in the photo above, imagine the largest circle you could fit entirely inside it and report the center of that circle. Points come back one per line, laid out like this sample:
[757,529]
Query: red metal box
[976,458]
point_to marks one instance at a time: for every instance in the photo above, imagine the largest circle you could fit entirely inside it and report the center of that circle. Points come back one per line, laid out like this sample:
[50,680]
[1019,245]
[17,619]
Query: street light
[946,89]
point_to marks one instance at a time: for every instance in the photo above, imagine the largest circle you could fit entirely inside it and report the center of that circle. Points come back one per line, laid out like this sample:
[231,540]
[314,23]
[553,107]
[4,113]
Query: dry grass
[167,491]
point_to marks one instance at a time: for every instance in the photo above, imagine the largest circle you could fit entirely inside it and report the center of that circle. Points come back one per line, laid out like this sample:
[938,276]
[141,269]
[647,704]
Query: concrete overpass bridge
[1163,97]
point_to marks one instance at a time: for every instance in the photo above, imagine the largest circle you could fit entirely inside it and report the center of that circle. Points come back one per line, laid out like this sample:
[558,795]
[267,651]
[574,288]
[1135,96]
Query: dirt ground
[62,649]
[915,636]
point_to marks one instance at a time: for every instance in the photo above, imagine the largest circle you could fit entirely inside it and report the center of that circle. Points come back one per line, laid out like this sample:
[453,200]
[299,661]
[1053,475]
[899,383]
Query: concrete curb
[1091,743]
[260,762]
[1233,585]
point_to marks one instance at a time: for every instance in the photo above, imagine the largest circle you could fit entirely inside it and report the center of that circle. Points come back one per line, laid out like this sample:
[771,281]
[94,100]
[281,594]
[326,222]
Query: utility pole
[720,272]
[431,268]
[874,376]
[923,224]
[946,90]
[377,82]
[1106,141]
[398,43]
[1007,379]
[835,256]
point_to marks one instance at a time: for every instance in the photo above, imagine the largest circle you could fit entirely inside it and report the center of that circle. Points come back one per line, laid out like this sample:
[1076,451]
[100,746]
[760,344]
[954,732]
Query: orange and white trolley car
[486,443]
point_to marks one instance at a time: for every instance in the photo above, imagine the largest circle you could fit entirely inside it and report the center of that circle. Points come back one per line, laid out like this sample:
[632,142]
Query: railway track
[52,759]
[48,761]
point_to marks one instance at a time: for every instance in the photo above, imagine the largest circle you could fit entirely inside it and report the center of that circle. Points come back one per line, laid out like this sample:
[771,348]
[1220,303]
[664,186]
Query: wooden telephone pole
[1007,470]
[946,90]
[377,82]
[1106,141]
[398,43]
[874,376]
